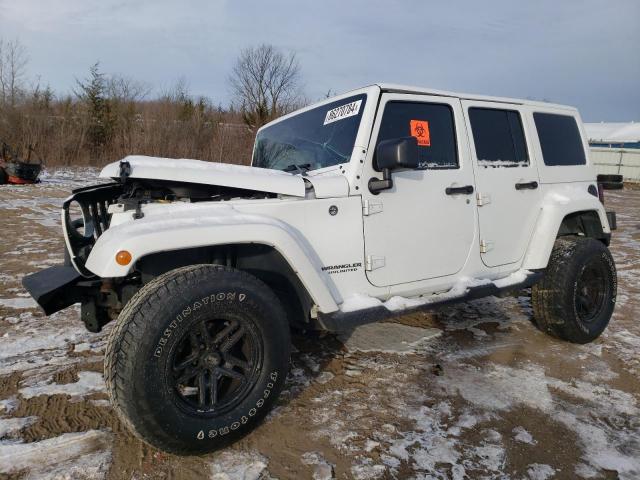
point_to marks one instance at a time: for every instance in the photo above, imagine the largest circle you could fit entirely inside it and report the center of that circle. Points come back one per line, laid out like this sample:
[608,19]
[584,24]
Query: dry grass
[63,131]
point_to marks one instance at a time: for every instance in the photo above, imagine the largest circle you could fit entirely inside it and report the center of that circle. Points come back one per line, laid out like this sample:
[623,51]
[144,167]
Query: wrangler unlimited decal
[345,267]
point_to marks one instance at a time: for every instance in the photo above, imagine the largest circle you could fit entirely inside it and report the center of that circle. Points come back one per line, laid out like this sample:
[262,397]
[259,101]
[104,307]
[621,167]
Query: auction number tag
[343,111]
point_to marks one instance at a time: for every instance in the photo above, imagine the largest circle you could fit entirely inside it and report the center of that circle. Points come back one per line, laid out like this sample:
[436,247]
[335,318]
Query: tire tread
[131,325]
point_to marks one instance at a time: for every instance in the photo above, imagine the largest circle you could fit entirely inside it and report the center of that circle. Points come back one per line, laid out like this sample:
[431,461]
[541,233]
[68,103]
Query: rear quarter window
[559,139]
[498,137]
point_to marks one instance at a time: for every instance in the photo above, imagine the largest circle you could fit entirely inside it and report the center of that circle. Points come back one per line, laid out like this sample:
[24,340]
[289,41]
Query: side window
[499,137]
[559,139]
[431,123]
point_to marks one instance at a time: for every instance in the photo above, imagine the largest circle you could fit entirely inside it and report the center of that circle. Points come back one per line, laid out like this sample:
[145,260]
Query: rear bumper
[54,288]
[611,218]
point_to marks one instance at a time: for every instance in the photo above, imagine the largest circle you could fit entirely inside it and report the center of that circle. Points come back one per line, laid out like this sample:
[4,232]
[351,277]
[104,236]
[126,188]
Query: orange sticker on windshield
[420,130]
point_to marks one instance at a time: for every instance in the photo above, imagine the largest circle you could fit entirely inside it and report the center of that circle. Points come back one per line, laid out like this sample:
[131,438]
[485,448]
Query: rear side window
[499,137]
[433,126]
[559,139]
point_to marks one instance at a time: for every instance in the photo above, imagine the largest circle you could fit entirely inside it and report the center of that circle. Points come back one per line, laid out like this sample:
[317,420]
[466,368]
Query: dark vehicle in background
[16,171]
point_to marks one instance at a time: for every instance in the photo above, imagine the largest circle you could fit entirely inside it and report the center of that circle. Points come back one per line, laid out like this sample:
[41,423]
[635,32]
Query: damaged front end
[85,217]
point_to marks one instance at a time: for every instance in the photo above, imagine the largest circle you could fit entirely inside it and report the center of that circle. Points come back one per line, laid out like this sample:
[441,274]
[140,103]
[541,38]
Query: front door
[506,180]
[423,227]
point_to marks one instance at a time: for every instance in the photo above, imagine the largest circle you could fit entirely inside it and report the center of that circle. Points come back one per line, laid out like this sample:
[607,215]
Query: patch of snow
[491,456]
[88,382]
[323,470]
[586,471]
[387,337]
[502,163]
[521,435]
[85,455]
[10,426]
[369,445]
[324,377]
[234,465]
[540,471]
[39,347]
[367,470]
[513,279]
[498,387]
[18,302]
[82,347]
[477,332]
[8,405]
[359,301]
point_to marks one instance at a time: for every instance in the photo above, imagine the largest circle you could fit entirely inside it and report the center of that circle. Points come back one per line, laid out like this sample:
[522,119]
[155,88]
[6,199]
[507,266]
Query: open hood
[209,173]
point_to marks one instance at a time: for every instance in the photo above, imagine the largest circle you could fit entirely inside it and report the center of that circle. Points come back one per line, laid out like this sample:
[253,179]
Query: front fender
[558,202]
[201,225]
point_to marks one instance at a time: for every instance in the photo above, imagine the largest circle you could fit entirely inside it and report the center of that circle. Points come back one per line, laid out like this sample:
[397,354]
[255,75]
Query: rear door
[506,179]
[423,227]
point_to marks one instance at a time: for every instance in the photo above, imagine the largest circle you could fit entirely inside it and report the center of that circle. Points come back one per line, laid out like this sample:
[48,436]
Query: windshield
[318,138]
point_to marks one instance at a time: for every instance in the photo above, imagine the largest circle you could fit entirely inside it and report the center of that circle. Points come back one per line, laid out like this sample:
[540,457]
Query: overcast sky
[580,52]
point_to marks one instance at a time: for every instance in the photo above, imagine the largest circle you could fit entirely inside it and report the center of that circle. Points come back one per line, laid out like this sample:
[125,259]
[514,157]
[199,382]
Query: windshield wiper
[302,168]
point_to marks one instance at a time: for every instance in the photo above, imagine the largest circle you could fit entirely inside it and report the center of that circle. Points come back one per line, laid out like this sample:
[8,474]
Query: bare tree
[265,83]
[178,91]
[126,89]
[13,62]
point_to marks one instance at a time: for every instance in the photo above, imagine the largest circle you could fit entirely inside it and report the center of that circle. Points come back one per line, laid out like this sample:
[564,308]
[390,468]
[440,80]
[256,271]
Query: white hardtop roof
[392,87]
[395,88]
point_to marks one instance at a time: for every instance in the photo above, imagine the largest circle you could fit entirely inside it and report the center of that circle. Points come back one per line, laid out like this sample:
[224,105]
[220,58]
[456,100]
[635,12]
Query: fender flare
[202,228]
[555,207]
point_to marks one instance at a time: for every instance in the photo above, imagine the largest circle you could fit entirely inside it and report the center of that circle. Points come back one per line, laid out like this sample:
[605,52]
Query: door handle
[466,190]
[527,186]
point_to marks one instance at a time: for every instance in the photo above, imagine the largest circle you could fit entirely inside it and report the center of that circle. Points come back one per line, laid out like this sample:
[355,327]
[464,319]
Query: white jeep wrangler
[381,200]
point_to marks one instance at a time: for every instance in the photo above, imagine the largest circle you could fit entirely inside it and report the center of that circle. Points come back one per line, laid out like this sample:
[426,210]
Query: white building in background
[613,135]
[615,148]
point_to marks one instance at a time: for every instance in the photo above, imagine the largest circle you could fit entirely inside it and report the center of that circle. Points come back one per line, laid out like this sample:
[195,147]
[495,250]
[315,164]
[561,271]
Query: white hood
[210,173]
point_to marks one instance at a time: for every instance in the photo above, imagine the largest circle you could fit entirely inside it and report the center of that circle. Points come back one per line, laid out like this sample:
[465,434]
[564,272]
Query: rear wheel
[197,358]
[575,299]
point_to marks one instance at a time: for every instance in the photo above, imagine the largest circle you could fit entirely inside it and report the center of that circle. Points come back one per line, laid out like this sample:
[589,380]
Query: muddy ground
[488,397]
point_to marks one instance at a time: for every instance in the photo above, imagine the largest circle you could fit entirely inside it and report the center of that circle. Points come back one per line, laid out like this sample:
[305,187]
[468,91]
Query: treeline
[107,117]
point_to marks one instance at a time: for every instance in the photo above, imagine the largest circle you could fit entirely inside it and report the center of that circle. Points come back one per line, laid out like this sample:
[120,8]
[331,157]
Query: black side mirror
[397,153]
[390,155]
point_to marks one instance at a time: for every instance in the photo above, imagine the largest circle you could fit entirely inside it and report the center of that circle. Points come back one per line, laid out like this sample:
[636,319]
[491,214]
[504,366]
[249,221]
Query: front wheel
[197,358]
[575,299]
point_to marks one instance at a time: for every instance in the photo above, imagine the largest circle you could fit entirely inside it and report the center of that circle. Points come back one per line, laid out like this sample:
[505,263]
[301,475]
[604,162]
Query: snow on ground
[85,455]
[9,427]
[358,301]
[231,465]
[387,337]
[41,348]
[472,392]
[88,383]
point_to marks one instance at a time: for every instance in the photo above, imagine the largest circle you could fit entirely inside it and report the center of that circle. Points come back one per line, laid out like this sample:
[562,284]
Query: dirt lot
[488,397]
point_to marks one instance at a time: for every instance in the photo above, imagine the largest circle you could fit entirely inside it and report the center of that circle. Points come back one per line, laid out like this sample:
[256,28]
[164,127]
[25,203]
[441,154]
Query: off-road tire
[559,299]
[611,177]
[162,320]
[612,185]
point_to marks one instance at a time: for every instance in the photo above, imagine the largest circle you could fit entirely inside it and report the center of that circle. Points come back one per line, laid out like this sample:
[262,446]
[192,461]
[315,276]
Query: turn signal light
[123,258]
